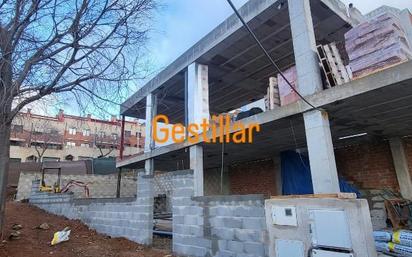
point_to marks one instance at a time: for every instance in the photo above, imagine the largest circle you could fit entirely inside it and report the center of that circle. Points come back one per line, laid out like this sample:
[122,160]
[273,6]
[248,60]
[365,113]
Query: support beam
[317,128]
[196,164]
[400,161]
[304,47]
[149,144]
[149,166]
[151,111]
[197,93]
[197,109]
[122,138]
[321,155]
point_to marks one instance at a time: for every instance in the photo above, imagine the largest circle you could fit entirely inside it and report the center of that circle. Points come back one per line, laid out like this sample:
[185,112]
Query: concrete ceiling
[238,71]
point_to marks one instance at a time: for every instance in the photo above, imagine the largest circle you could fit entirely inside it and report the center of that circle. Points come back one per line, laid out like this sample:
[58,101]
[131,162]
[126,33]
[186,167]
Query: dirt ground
[83,241]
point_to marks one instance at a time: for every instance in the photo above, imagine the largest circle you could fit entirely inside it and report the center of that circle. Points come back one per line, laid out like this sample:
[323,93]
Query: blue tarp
[296,178]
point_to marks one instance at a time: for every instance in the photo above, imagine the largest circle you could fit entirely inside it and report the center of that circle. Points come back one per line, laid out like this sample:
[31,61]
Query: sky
[179,24]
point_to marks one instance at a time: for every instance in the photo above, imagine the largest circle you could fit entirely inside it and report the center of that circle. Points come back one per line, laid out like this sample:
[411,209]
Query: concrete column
[149,144]
[400,162]
[318,136]
[196,164]
[321,155]
[304,46]
[197,109]
[151,111]
[198,92]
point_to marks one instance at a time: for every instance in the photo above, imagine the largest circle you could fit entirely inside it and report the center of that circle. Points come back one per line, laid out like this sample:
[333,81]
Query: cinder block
[235,246]
[252,211]
[221,211]
[254,223]
[257,249]
[223,233]
[226,222]
[181,192]
[193,220]
[225,254]
[247,235]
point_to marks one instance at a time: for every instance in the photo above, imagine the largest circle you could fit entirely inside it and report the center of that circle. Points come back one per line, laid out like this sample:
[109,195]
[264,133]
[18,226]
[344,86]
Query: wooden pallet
[327,70]
[332,66]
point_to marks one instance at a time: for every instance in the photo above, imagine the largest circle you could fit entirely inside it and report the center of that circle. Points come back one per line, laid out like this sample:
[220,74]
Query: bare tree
[44,136]
[86,47]
[106,144]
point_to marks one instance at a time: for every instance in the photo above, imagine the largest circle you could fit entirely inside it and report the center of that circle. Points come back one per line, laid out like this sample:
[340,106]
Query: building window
[138,134]
[70,144]
[86,132]
[84,145]
[102,134]
[72,131]
[127,133]
[18,128]
[114,136]
[51,159]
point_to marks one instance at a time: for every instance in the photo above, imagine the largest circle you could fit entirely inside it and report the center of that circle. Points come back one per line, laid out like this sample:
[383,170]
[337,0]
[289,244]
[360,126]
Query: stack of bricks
[286,93]
[377,44]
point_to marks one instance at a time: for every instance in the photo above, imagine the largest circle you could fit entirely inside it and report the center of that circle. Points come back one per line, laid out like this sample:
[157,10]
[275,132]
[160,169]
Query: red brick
[368,165]
[257,177]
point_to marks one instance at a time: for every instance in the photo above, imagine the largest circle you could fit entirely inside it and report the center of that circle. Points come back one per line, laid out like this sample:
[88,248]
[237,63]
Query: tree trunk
[4,168]
[6,98]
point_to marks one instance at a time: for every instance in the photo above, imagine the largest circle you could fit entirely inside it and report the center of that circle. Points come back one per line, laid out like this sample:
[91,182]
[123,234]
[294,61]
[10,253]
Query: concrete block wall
[131,218]
[216,225]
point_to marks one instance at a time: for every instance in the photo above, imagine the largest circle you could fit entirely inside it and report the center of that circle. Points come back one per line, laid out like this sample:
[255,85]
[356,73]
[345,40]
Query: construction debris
[16,227]
[61,236]
[14,235]
[44,226]
[377,44]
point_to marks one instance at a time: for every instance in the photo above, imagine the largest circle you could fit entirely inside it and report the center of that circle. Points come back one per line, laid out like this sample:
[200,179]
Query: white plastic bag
[61,236]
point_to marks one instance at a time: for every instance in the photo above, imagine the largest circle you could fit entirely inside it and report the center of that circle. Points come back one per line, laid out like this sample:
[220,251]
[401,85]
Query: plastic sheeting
[296,176]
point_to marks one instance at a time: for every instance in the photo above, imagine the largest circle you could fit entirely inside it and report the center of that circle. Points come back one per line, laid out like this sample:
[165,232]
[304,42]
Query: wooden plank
[337,195]
[332,64]
[338,60]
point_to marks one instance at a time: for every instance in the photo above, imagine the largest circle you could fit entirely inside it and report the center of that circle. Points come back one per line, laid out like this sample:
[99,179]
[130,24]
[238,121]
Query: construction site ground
[83,241]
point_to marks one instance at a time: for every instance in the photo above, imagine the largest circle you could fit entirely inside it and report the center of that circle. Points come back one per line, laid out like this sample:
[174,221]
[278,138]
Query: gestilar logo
[216,130]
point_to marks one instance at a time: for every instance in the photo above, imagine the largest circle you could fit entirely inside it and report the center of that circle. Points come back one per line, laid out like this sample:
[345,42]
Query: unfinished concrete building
[357,129]
[226,70]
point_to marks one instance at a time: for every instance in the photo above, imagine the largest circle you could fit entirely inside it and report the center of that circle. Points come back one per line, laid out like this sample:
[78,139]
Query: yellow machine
[56,187]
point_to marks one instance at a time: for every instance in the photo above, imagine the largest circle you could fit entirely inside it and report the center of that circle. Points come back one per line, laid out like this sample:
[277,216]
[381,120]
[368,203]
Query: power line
[266,53]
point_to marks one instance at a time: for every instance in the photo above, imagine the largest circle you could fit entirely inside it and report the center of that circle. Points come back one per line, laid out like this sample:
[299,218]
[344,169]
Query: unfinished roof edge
[249,10]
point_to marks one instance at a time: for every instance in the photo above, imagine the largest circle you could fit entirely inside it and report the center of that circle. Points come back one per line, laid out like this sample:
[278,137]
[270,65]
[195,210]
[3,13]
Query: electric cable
[267,54]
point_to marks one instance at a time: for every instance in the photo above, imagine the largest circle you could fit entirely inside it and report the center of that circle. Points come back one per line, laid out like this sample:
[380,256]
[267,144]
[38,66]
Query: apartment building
[66,137]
